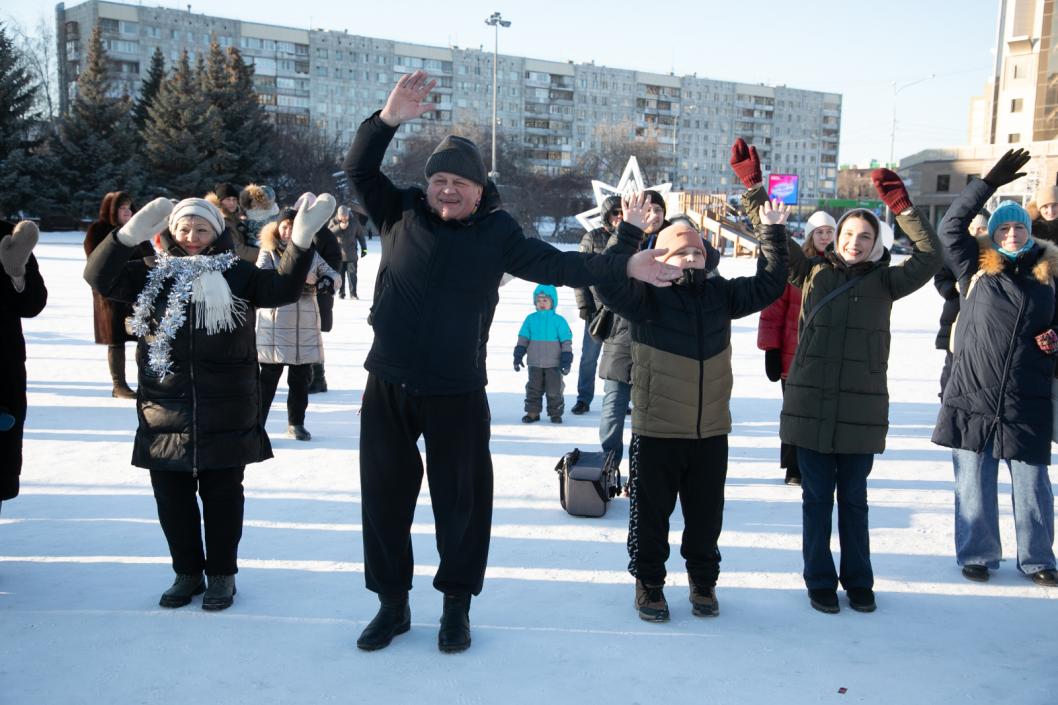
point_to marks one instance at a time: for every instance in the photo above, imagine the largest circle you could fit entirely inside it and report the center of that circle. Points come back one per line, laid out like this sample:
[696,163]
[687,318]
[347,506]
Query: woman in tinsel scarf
[199,388]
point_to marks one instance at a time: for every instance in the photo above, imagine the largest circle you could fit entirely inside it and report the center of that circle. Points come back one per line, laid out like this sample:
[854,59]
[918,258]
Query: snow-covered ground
[83,561]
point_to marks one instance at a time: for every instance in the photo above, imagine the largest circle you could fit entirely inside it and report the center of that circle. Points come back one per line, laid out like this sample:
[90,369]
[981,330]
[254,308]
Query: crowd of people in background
[223,292]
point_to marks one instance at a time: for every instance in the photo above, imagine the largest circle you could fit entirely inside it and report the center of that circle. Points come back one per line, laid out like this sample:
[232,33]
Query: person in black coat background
[198,404]
[22,295]
[946,285]
[327,245]
[444,252]
[108,317]
[349,229]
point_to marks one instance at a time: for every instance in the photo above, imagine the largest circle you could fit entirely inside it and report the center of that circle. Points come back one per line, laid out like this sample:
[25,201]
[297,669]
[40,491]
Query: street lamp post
[892,129]
[495,20]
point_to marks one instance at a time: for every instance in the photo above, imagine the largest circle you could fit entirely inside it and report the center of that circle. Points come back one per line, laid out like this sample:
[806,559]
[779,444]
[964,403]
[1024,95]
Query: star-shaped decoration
[631,181]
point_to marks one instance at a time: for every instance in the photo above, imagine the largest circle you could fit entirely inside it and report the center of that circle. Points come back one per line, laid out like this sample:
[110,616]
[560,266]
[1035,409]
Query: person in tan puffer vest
[681,393]
[289,336]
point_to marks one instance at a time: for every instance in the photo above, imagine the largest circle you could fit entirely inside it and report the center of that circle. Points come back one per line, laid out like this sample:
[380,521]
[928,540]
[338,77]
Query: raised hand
[1007,168]
[635,206]
[313,214]
[405,101]
[774,213]
[746,163]
[644,266]
[146,222]
[15,250]
[891,190]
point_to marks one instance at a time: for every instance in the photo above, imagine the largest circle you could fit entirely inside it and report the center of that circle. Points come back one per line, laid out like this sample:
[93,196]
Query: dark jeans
[222,508]
[298,377]
[347,270]
[589,363]
[787,452]
[612,417]
[456,430]
[821,474]
[662,469]
[545,380]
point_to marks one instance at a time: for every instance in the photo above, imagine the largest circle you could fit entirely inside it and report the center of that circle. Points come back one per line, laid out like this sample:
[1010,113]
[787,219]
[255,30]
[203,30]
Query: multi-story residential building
[1019,108]
[555,111]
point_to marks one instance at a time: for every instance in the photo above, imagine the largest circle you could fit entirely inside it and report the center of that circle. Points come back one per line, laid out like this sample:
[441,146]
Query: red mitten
[891,190]
[746,163]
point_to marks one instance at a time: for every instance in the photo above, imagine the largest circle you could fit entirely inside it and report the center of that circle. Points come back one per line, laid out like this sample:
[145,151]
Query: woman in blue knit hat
[997,403]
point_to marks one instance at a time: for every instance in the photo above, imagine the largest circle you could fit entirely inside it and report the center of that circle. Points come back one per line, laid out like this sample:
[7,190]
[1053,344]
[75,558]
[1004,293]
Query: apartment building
[556,111]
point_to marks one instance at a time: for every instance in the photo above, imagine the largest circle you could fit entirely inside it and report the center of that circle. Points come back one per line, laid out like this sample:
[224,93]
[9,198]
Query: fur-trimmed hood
[992,263]
[270,237]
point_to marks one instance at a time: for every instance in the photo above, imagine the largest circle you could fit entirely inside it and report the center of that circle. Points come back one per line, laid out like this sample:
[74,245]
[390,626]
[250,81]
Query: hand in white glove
[14,250]
[146,223]
[313,214]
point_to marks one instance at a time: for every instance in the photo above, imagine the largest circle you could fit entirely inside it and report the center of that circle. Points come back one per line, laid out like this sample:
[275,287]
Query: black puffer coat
[1000,384]
[206,414]
[438,281]
[327,245]
[14,306]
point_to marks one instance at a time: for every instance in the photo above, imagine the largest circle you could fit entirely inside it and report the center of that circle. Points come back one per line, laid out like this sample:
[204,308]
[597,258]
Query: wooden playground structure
[716,219]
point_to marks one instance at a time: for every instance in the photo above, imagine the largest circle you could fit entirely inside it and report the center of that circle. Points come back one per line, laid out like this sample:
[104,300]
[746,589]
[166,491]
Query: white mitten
[14,250]
[146,223]
[313,214]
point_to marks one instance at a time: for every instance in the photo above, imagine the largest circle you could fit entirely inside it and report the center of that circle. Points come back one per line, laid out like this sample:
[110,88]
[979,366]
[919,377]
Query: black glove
[586,314]
[519,355]
[325,286]
[565,362]
[1006,169]
[773,364]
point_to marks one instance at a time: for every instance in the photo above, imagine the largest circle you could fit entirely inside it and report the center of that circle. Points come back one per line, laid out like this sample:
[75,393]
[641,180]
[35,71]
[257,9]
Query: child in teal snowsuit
[547,340]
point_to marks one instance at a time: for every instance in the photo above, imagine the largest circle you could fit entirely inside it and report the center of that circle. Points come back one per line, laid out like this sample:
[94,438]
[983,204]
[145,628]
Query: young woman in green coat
[836,405]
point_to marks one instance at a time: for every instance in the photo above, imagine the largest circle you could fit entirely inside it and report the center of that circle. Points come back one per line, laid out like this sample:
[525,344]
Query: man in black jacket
[443,255]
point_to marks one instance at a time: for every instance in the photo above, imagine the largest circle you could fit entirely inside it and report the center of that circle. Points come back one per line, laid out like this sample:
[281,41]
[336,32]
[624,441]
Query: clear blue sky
[854,48]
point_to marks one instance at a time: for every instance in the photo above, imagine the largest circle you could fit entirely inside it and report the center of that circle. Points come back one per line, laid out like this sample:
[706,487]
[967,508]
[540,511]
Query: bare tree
[38,50]
[305,160]
[612,145]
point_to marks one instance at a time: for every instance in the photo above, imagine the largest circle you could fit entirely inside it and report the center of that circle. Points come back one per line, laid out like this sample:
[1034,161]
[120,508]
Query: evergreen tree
[149,88]
[96,143]
[250,134]
[219,95]
[177,137]
[18,125]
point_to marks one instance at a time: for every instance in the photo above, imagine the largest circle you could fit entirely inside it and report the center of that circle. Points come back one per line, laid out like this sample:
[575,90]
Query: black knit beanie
[226,190]
[286,214]
[656,198]
[459,156]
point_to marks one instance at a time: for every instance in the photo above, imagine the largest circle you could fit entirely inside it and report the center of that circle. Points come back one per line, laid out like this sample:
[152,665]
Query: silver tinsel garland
[183,271]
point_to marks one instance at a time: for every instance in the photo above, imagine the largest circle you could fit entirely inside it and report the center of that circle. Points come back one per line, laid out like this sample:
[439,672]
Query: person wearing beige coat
[289,336]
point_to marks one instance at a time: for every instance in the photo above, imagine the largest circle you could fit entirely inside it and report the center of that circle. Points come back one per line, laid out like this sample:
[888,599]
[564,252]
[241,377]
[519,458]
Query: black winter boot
[319,379]
[116,362]
[220,594]
[184,587]
[393,618]
[454,635]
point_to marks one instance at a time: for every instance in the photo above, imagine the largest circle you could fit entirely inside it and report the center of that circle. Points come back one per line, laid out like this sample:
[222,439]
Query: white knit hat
[818,220]
[199,207]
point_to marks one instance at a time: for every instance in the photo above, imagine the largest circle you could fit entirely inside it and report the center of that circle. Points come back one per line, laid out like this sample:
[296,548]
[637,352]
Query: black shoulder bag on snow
[587,481]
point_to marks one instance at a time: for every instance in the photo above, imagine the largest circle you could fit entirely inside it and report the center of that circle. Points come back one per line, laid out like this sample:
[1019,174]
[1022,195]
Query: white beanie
[199,207]
[818,220]
[980,221]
